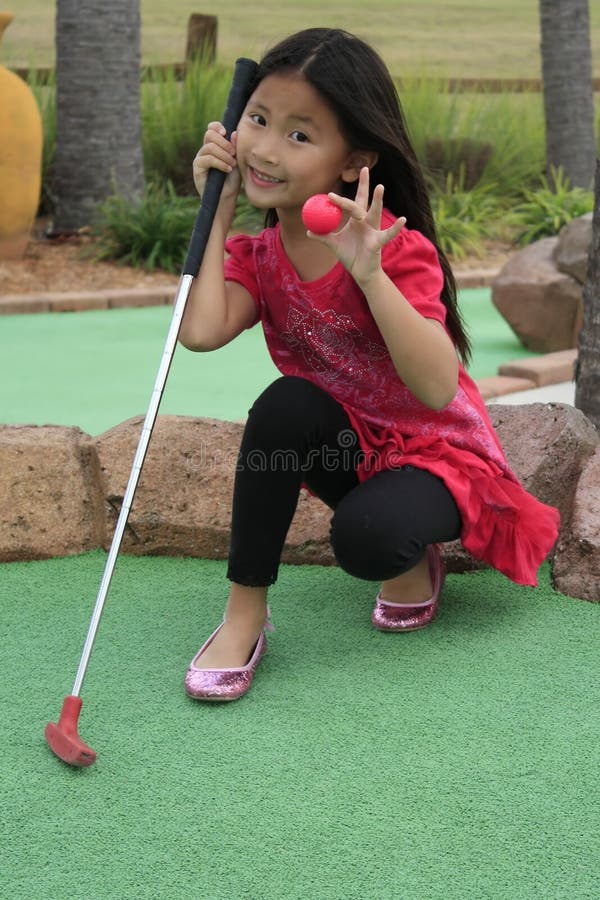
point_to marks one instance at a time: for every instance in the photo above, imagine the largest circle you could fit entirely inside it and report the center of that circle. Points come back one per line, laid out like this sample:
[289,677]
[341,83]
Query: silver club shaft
[181,297]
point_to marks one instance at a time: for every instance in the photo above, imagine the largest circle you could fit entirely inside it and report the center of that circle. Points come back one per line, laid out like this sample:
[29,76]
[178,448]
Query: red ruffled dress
[323,331]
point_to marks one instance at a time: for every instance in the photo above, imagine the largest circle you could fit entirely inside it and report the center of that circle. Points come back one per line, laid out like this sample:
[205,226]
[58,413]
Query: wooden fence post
[201,37]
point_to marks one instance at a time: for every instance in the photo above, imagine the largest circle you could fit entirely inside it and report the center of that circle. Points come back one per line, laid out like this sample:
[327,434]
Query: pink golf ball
[320,215]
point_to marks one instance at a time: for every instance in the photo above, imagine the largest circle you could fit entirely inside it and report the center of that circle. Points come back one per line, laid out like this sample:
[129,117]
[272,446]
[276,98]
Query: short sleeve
[412,263]
[240,266]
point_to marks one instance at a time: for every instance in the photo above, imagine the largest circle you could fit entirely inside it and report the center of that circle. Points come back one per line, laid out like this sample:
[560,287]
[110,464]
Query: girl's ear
[356,161]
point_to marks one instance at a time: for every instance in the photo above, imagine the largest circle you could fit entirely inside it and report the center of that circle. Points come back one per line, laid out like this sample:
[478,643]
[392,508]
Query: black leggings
[296,433]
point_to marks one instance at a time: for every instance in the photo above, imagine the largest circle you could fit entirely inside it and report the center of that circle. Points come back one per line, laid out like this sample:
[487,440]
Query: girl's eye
[299,136]
[258,119]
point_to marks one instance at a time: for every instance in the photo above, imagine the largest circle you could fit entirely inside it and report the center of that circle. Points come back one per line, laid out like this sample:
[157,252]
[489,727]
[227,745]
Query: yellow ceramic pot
[20,159]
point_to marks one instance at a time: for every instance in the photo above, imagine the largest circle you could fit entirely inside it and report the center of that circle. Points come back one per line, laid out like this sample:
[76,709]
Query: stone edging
[61,491]
[79,301]
[529,373]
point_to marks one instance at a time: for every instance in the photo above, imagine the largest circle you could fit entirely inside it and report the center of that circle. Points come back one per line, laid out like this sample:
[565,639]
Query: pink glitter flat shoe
[224,684]
[410,616]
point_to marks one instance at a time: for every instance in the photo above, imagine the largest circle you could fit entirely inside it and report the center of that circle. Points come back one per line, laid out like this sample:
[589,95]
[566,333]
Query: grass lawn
[489,38]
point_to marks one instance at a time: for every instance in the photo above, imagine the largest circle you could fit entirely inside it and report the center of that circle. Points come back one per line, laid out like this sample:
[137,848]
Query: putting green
[96,369]
[455,763]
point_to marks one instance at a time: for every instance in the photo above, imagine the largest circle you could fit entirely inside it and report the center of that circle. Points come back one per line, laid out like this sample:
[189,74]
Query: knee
[366,547]
[284,408]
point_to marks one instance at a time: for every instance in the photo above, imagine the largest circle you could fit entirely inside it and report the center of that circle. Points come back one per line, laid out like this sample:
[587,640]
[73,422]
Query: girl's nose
[265,148]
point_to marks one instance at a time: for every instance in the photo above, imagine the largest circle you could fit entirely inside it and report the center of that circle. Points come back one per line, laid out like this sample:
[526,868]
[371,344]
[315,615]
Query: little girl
[374,411]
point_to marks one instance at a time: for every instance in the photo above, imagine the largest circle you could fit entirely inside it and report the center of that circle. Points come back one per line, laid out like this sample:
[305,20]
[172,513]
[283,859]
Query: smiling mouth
[263,178]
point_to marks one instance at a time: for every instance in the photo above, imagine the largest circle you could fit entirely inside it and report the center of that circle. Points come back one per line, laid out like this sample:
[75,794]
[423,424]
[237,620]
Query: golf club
[63,737]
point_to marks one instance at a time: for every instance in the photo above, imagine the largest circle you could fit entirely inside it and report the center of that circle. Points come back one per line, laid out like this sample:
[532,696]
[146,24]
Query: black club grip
[243,77]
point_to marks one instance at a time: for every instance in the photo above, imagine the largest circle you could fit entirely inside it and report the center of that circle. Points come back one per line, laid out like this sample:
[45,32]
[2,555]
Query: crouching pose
[374,411]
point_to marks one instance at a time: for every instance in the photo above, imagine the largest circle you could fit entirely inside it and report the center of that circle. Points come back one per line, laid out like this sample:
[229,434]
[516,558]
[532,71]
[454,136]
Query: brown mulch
[64,266]
[67,265]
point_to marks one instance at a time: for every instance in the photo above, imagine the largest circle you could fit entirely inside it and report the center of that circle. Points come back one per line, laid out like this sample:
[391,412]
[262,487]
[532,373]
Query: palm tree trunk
[568,92]
[98,143]
[587,390]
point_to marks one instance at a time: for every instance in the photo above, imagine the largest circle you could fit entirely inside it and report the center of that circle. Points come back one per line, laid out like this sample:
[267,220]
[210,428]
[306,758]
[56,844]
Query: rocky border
[61,491]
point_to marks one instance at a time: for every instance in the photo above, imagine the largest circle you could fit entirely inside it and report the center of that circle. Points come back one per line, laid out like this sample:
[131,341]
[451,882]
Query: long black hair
[353,79]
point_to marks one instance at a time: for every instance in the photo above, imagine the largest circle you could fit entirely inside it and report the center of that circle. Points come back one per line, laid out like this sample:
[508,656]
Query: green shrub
[461,158]
[497,140]
[152,234]
[174,119]
[155,233]
[463,217]
[544,211]
[514,125]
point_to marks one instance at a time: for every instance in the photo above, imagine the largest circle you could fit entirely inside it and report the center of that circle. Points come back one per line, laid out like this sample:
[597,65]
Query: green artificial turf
[456,762]
[95,369]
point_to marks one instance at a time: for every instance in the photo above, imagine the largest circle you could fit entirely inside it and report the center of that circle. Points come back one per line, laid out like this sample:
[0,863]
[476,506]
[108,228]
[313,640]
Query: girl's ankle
[414,586]
[246,607]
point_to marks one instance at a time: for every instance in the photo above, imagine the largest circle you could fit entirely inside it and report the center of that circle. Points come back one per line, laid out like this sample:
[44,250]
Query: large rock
[183,502]
[577,561]
[542,305]
[182,505]
[572,249]
[60,491]
[546,445]
[50,498]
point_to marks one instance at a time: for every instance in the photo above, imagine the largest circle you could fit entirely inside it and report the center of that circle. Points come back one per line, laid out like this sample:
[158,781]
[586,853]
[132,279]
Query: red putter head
[321,215]
[63,738]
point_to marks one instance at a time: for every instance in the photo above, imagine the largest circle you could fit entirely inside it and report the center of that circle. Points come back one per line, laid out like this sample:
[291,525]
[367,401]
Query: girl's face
[289,145]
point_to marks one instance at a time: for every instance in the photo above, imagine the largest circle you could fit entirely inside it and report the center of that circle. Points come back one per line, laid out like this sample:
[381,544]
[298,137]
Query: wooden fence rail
[202,40]
[44,74]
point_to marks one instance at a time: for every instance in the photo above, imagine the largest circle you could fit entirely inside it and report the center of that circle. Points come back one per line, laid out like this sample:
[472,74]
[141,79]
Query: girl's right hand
[217,153]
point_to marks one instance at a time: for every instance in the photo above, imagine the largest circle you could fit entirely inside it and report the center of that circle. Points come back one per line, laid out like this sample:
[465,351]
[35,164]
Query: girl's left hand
[359,243]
